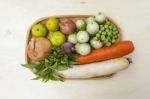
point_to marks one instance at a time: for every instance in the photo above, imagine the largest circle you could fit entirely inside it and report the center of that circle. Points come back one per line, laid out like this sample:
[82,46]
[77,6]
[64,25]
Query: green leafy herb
[47,69]
[31,66]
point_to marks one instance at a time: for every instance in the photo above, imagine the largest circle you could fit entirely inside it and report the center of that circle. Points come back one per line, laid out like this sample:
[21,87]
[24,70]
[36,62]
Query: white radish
[96,69]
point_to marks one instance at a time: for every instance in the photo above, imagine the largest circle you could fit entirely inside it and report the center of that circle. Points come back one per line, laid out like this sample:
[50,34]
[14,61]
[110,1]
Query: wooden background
[16,16]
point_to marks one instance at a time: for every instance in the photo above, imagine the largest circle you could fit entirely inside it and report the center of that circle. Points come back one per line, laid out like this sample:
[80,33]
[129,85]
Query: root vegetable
[117,50]
[38,49]
[67,26]
[68,46]
[96,69]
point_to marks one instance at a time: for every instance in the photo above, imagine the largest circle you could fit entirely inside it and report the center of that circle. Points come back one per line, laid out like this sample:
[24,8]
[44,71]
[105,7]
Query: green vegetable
[107,30]
[113,40]
[72,38]
[48,69]
[84,49]
[80,24]
[82,37]
[102,28]
[77,47]
[108,23]
[106,26]
[108,33]
[100,32]
[110,27]
[114,28]
[96,43]
[95,38]
[108,38]
[103,37]
[103,33]
[108,43]
[100,18]
[98,35]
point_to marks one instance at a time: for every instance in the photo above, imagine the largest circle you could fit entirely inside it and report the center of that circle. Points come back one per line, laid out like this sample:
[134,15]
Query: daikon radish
[96,69]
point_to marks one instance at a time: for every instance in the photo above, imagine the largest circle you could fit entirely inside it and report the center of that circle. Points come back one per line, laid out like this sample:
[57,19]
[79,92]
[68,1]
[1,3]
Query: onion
[68,46]
[67,26]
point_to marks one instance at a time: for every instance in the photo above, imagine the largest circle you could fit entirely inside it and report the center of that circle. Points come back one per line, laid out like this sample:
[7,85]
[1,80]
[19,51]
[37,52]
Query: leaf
[54,76]
[73,62]
[61,68]
[31,66]
[36,78]
[46,78]
[48,69]
[55,64]
[46,61]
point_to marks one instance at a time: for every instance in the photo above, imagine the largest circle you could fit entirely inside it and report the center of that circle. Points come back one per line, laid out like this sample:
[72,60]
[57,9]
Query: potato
[67,26]
[38,49]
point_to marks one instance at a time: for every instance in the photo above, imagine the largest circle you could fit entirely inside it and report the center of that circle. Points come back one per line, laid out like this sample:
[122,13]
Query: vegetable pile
[62,48]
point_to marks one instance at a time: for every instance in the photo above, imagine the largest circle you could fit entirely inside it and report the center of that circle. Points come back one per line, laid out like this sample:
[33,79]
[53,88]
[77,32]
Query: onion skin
[96,69]
[67,26]
[68,46]
[38,49]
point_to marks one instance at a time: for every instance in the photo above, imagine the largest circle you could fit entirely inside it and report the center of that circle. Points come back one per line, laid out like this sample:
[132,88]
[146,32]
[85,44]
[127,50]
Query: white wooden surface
[16,16]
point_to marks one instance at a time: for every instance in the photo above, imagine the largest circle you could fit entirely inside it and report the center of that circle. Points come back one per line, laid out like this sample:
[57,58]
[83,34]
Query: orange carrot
[117,50]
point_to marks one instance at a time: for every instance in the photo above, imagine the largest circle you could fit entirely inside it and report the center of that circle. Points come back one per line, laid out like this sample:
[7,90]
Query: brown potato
[38,49]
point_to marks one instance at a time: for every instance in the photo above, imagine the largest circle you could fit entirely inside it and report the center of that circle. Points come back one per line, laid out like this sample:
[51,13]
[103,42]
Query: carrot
[117,50]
